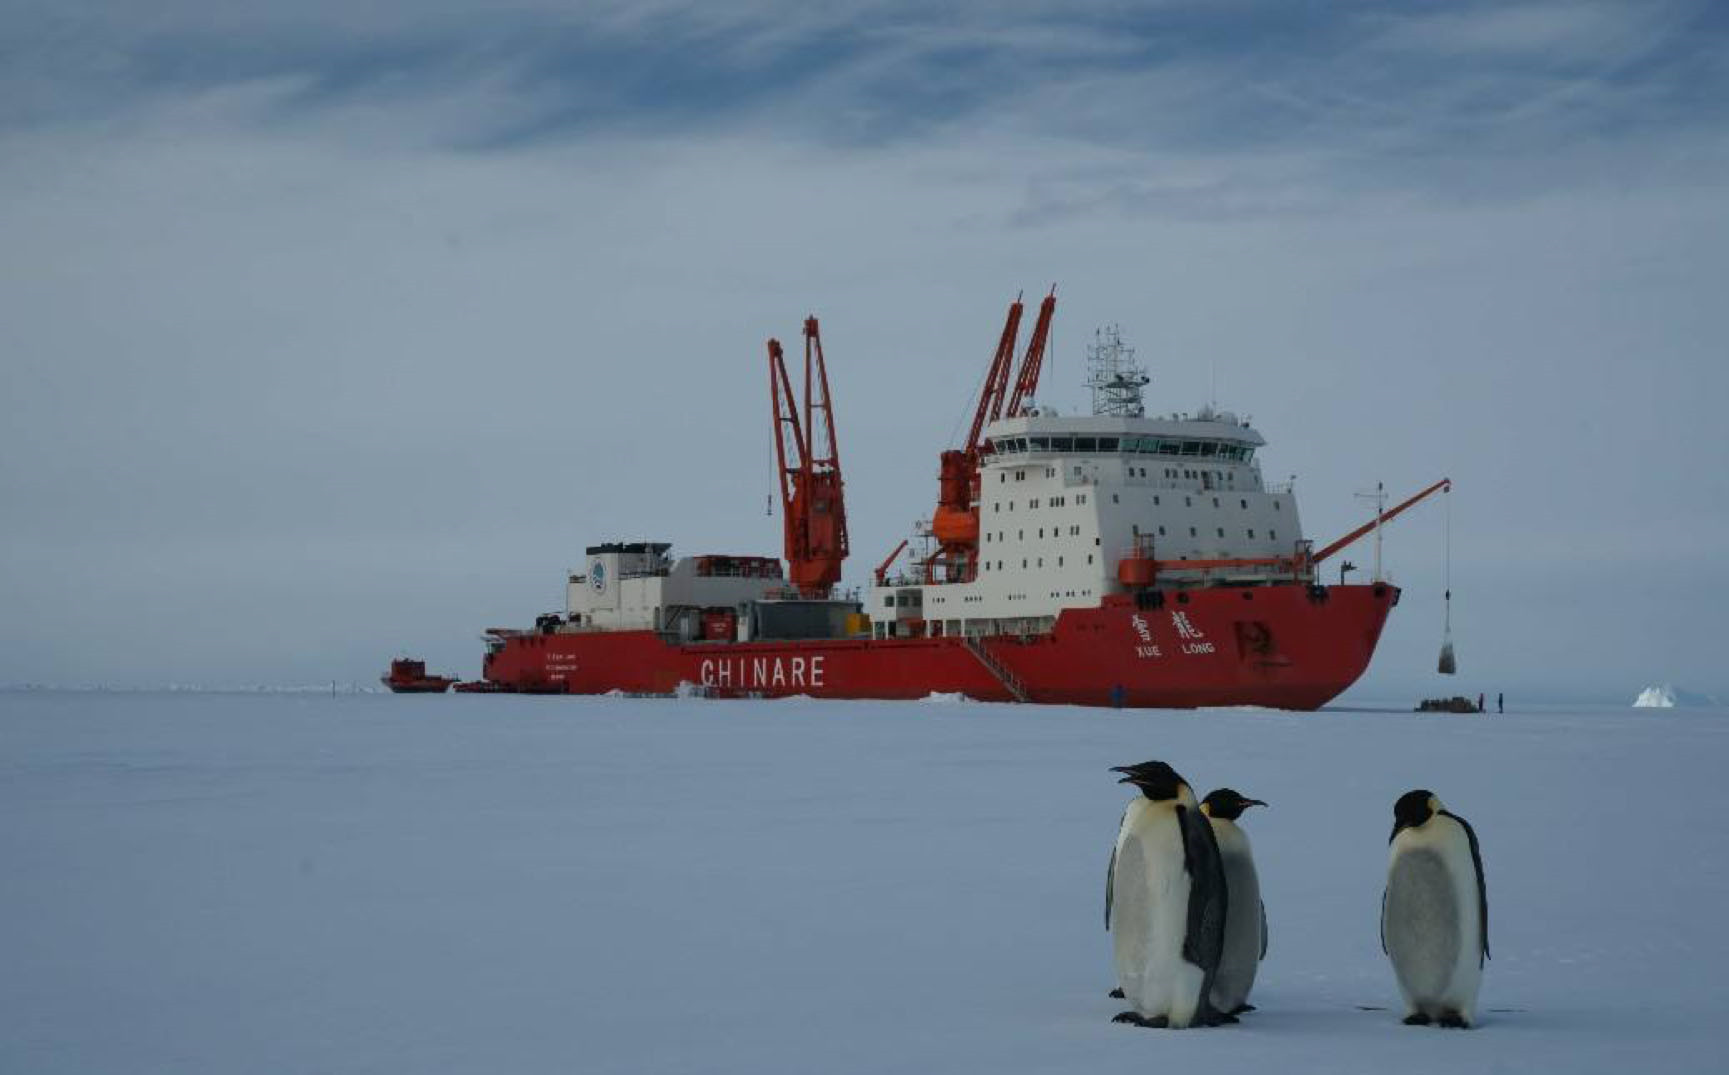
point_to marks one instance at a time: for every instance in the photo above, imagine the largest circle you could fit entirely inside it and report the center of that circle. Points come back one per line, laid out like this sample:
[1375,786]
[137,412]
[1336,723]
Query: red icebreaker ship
[1104,559]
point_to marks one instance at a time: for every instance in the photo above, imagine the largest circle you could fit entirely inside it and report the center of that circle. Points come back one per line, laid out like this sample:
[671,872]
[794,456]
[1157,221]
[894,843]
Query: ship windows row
[1033,504]
[1189,502]
[1207,449]
[1021,535]
[1027,562]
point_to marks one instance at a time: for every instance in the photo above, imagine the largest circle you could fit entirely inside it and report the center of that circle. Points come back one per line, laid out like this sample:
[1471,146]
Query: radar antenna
[1114,375]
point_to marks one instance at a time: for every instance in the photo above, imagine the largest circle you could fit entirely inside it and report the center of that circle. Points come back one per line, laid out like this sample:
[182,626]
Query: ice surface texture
[211,884]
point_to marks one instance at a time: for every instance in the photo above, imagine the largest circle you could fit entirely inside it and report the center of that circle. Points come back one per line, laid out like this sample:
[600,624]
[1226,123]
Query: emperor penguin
[1165,903]
[1435,912]
[1246,924]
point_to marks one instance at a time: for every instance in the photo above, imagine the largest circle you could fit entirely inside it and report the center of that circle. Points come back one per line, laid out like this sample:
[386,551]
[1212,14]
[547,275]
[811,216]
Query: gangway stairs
[996,668]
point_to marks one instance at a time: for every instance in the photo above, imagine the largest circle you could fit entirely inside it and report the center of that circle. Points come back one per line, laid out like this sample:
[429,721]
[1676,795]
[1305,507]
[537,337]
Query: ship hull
[1285,646]
[425,686]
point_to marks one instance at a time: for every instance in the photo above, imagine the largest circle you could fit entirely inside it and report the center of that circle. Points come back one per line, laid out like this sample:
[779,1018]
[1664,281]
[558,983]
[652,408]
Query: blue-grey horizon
[336,331]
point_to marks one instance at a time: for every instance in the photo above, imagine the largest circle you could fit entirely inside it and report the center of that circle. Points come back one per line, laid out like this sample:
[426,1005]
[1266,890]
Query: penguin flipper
[1384,922]
[1204,943]
[1482,886]
[1110,886]
[1263,929]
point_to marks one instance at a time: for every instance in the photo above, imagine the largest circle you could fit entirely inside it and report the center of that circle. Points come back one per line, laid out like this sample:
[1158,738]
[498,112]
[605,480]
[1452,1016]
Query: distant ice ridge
[940,697]
[1665,696]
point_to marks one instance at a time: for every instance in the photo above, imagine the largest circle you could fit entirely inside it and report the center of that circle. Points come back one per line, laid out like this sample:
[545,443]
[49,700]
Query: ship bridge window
[1062,444]
[1107,444]
[1086,444]
[1191,447]
[1038,444]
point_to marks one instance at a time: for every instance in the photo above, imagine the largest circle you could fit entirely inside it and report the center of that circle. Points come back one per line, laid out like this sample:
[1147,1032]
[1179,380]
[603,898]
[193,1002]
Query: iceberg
[1666,696]
[1658,697]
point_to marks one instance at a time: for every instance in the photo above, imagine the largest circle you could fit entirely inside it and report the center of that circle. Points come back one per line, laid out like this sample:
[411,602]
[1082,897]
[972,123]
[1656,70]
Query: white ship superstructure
[1063,499]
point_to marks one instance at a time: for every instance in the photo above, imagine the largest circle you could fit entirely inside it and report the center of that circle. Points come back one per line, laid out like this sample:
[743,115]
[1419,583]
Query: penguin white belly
[1242,954]
[1150,918]
[1432,922]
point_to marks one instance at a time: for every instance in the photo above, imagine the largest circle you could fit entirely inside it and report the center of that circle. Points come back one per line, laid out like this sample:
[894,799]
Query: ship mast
[807,458]
[1114,376]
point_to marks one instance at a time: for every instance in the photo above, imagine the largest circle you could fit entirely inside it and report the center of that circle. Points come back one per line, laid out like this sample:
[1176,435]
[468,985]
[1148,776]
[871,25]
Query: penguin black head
[1227,804]
[1414,808]
[1157,781]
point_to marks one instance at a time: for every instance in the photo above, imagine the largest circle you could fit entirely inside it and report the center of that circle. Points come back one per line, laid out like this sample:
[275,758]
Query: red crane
[1028,381]
[955,524]
[808,458]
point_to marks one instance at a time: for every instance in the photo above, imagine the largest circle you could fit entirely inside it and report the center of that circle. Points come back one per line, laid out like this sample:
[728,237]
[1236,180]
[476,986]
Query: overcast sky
[330,331]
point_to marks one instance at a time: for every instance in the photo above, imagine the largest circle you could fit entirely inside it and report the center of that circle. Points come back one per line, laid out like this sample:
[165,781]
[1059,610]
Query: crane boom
[955,523]
[807,458]
[882,570]
[1387,516]
[1028,382]
[996,381]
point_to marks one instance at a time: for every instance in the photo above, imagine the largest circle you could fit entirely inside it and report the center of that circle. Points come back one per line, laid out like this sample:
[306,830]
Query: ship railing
[738,573]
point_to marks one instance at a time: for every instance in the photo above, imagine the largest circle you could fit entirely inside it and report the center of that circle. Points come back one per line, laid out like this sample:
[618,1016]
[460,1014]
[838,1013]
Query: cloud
[327,326]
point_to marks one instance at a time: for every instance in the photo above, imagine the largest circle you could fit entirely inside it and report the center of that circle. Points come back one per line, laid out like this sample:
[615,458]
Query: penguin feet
[1417,1019]
[1241,1008]
[1116,994]
[1452,1020]
[1134,1018]
[1221,1019]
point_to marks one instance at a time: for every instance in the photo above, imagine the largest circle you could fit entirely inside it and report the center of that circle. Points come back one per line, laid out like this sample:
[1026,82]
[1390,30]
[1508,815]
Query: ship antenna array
[1379,498]
[1114,375]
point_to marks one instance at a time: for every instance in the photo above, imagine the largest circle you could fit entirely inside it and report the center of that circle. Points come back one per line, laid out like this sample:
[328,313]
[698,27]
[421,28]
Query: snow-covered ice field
[223,884]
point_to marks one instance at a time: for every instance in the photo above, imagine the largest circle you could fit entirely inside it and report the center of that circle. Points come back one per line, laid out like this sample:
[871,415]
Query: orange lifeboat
[955,526]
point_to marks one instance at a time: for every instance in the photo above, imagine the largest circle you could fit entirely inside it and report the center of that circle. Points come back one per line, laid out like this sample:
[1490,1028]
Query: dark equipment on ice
[1448,664]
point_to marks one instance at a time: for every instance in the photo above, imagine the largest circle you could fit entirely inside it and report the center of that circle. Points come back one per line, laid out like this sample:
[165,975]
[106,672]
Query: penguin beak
[1253,802]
